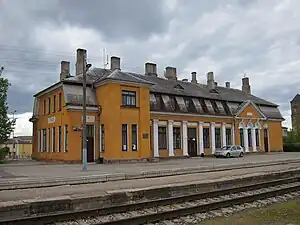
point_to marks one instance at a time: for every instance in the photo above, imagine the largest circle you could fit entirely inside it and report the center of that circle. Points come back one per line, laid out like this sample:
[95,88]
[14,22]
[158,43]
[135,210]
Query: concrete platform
[42,174]
[103,188]
[111,194]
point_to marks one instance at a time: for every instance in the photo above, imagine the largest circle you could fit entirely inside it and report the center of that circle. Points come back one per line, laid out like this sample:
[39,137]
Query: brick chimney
[64,70]
[170,73]
[150,69]
[115,63]
[246,85]
[194,77]
[80,61]
[227,84]
[211,80]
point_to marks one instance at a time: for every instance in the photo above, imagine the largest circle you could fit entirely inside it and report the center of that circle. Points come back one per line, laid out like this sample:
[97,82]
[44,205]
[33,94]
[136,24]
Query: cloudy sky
[258,37]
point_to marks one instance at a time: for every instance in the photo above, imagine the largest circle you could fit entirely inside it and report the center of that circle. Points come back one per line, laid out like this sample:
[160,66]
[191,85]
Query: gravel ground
[196,218]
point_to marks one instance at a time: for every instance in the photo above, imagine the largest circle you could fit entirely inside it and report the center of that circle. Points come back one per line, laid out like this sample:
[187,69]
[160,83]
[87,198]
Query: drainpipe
[98,132]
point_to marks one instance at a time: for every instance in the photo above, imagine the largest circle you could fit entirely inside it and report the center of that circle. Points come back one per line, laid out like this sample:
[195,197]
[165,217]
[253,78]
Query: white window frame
[127,137]
[66,140]
[53,136]
[137,138]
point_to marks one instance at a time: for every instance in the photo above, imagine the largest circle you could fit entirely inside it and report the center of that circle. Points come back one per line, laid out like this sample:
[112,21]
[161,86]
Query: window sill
[129,107]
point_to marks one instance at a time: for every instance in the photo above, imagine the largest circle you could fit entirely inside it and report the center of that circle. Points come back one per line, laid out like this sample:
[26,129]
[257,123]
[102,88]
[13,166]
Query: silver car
[230,151]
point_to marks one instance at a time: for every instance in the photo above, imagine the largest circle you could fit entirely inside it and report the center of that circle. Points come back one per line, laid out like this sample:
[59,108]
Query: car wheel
[241,154]
[217,156]
[228,155]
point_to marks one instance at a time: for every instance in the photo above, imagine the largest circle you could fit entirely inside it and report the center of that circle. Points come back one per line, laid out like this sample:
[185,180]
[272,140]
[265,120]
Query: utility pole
[84,138]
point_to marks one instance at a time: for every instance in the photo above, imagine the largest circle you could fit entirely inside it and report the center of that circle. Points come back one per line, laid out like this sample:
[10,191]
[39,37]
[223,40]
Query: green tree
[6,124]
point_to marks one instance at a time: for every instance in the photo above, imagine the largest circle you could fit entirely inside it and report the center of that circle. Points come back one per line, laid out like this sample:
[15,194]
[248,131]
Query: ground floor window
[249,138]
[257,137]
[124,137]
[59,139]
[162,137]
[206,138]
[66,138]
[53,139]
[102,137]
[39,140]
[218,137]
[242,137]
[228,136]
[177,137]
[44,140]
[49,140]
[134,137]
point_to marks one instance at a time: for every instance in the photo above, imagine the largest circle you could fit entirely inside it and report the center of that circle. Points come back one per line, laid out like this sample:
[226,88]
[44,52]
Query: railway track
[170,208]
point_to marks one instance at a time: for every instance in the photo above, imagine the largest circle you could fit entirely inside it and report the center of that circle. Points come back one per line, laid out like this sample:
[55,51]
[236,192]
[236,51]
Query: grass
[287,213]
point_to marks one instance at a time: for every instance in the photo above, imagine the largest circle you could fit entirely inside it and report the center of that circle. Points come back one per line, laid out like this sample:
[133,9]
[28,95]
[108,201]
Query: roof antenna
[105,58]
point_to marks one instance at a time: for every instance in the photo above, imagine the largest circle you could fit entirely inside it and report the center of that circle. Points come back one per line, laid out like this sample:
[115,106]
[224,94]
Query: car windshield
[225,147]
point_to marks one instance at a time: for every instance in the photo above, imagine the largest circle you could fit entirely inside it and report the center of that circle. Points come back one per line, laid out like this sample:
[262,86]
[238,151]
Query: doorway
[266,140]
[90,143]
[192,142]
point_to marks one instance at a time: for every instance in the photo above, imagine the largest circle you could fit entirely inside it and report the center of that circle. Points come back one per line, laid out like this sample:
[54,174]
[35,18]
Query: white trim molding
[248,102]
[155,138]
[79,108]
[170,138]
[224,134]
[184,138]
[188,114]
[201,144]
[213,137]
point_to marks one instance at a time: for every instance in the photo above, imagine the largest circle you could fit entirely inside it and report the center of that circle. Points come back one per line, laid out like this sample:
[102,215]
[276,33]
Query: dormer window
[213,91]
[178,86]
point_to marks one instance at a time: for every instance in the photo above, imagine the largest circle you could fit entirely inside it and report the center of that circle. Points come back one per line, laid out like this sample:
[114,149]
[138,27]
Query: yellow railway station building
[142,117]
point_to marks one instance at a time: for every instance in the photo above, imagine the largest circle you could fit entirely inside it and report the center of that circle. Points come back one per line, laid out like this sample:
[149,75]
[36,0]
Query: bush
[3,152]
[291,147]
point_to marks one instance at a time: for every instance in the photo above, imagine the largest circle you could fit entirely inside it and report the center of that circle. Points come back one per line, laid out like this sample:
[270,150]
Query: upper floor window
[129,98]
[44,107]
[49,105]
[54,103]
[59,102]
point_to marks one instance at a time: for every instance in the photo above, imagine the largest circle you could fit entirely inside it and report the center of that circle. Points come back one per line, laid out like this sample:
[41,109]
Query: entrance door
[90,143]
[90,149]
[266,140]
[192,142]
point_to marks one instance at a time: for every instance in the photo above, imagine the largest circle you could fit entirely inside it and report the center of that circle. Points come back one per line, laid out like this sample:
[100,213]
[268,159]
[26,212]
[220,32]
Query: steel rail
[52,218]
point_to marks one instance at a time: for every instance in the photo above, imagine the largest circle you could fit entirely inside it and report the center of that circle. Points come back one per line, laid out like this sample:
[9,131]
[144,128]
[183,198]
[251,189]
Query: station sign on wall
[89,119]
[51,119]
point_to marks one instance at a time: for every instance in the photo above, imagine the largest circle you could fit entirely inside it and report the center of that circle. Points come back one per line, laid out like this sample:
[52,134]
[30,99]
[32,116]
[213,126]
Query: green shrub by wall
[291,147]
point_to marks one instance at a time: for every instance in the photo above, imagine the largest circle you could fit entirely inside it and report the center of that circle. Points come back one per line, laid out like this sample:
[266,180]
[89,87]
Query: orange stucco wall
[274,129]
[113,115]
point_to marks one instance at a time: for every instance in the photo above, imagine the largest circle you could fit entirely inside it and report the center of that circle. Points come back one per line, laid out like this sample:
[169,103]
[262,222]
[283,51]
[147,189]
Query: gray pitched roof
[162,85]
[296,98]
[235,98]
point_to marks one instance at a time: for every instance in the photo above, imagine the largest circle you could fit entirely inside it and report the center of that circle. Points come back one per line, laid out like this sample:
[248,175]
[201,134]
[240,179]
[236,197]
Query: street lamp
[84,144]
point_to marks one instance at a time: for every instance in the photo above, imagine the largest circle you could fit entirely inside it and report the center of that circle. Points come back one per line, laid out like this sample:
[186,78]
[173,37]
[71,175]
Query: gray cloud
[259,38]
